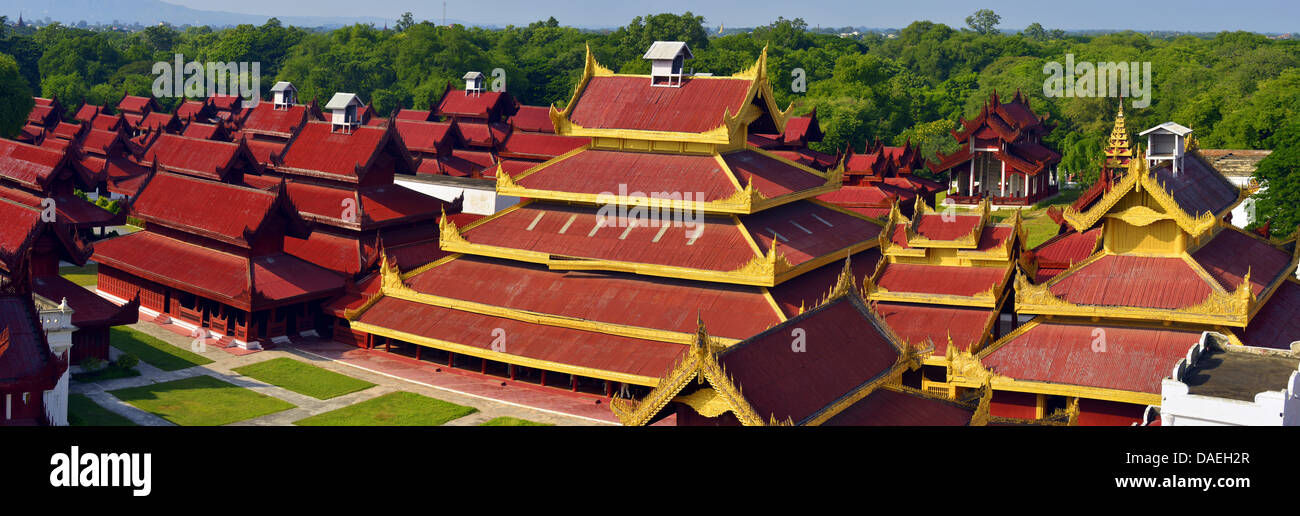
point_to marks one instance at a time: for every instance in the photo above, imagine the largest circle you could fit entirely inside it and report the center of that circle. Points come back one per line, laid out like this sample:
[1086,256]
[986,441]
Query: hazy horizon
[1186,15]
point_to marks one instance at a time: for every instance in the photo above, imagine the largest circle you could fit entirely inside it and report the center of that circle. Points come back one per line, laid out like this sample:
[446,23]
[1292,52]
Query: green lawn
[201,401]
[84,276]
[512,421]
[303,378]
[393,409]
[83,411]
[153,350]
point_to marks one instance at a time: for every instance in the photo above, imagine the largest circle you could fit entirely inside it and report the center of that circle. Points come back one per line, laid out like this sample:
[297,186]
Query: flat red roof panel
[771,177]
[573,231]
[1232,253]
[805,230]
[885,407]
[1276,325]
[1141,281]
[1134,359]
[940,279]
[731,311]
[917,323]
[623,102]
[534,341]
[598,171]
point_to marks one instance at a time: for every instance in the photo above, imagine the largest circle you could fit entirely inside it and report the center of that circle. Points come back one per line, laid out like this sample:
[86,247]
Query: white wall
[1180,408]
[477,201]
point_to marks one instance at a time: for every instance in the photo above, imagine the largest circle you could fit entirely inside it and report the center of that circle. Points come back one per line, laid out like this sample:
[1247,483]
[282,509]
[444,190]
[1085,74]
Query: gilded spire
[1119,150]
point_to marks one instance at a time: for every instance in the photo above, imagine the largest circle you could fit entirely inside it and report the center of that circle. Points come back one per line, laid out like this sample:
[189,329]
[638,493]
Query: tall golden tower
[1119,151]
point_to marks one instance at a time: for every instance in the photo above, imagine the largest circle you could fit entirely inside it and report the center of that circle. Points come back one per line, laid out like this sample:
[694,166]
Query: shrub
[92,364]
[127,361]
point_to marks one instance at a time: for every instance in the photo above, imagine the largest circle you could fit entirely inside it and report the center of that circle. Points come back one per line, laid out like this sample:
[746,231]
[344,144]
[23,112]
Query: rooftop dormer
[284,95]
[344,108]
[473,83]
[1167,141]
[666,62]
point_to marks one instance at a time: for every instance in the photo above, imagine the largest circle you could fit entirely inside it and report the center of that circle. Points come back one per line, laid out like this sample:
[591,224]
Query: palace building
[666,214]
[1164,268]
[1002,156]
[837,364]
[212,256]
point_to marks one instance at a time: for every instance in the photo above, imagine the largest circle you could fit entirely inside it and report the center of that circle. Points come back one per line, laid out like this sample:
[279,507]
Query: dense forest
[1236,89]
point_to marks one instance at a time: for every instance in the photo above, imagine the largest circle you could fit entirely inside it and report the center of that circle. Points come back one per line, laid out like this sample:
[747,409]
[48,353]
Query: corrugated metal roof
[342,101]
[598,171]
[843,349]
[625,102]
[1133,359]
[886,407]
[732,311]
[917,324]
[1276,325]
[1232,253]
[939,279]
[667,50]
[586,349]
[572,231]
[772,178]
[1139,281]
[806,230]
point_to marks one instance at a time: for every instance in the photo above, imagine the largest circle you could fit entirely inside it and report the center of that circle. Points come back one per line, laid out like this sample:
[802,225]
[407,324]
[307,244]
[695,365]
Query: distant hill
[151,12]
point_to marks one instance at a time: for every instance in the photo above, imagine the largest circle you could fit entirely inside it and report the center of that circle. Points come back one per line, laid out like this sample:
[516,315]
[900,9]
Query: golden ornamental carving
[448,233]
[967,368]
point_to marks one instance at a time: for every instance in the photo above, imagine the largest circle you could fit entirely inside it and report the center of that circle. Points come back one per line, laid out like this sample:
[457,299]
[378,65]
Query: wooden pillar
[417,351]
[451,359]
[512,371]
[484,369]
[609,389]
[543,377]
[573,382]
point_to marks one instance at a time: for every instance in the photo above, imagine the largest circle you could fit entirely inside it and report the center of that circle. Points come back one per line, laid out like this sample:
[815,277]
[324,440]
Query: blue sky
[1185,15]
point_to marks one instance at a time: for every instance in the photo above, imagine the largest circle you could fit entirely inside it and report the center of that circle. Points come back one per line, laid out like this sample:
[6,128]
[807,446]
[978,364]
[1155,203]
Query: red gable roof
[1141,281]
[225,102]
[1277,324]
[627,102]
[426,136]
[28,165]
[228,213]
[539,146]
[888,407]
[533,119]
[136,105]
[1135,359]
[416,115]
[88,112]
[917,324]
[319,150]
[490,105]
[777,382]
[208,159]
[266,119]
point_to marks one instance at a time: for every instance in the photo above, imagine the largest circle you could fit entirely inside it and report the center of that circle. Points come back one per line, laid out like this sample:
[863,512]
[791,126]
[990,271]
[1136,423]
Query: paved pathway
[368,366]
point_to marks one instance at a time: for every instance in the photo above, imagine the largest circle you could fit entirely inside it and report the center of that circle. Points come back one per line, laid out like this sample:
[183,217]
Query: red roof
[225,212]
[1134,359]
[933,226]
[26,363]
[1068,249]
[916,324]
[482,134]
[373,206]
[89,310]
[1232,253]
[225,102]
[22,225]
[592,350]
[107,122]
[266,119]
[69,208]
[202,131]
[771,177]
[599,171]
[1276,325]
[414,114]
[87,112]
[806,230]
[539,145]
[533,119]
[425,136]
[100,142]
[136,104]
[845,350]
[209,159]
[480,105]
[190,108]
[808,290]
[28,165]
[887,407]
[626,102]
[276,279]
[345,156]
[1141,281]
[616,298]
[41,114]
[951,280]
[263,150]
[573,231]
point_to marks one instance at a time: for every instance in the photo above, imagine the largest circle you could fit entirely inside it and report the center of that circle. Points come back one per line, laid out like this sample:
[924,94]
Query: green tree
[1035,32]
[984,21]
[405,22]
[15,98]
[1281,184]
